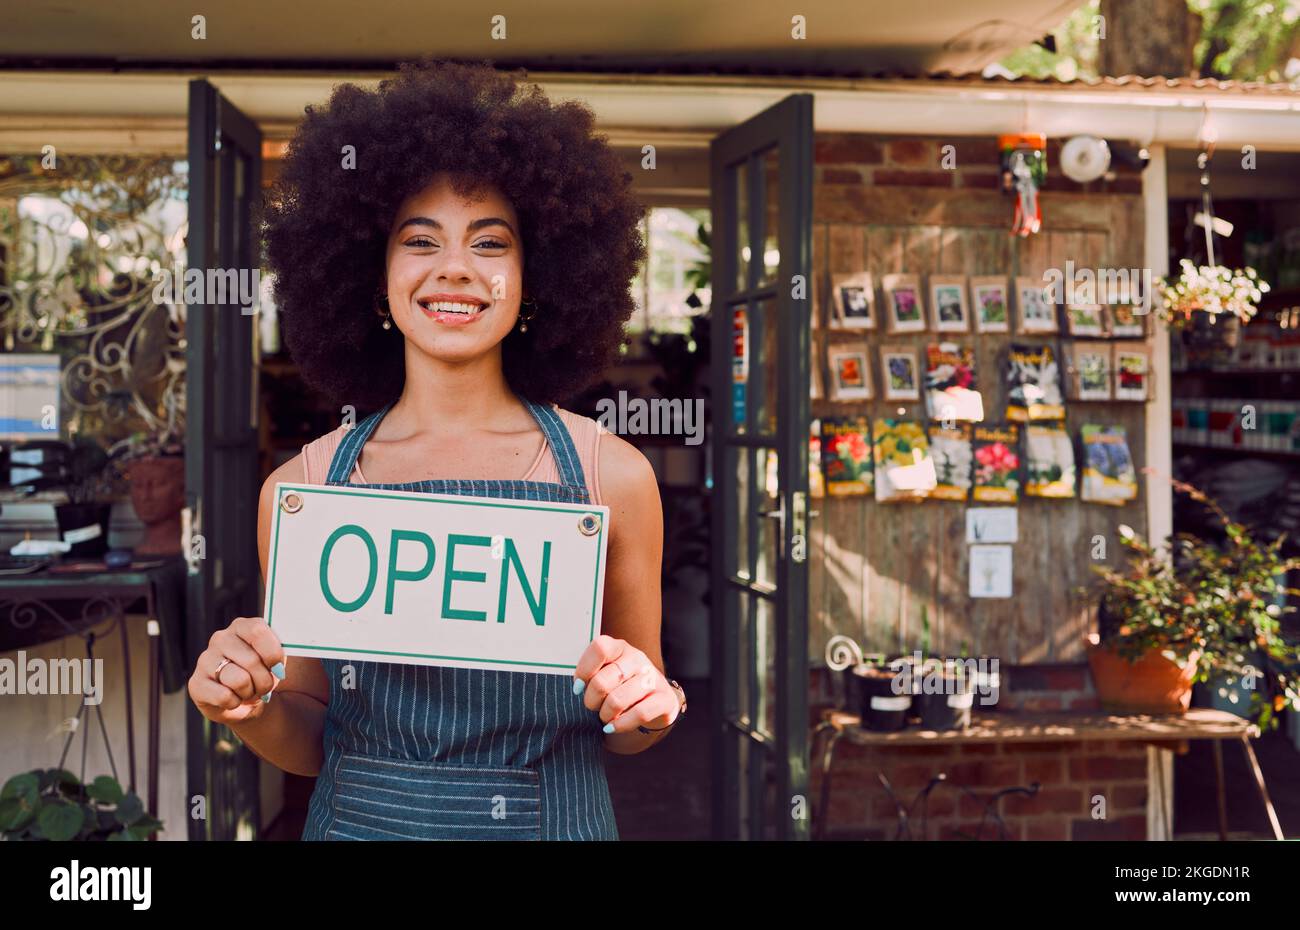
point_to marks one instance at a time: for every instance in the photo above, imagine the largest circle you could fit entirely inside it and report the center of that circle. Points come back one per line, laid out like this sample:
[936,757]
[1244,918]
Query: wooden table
[1064,726]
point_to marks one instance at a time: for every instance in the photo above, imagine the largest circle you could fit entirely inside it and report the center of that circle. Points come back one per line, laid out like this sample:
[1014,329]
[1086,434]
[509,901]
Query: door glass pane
[745,655]
[764,331]
[740,349]
[741,180]
[738,462]
[766,501]
[772,203]
[765,665]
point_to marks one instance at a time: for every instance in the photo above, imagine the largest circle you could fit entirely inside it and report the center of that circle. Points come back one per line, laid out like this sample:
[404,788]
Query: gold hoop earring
[383,310]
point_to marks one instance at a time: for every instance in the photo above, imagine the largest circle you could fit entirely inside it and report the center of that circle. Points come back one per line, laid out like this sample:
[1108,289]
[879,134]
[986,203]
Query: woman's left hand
[621,682]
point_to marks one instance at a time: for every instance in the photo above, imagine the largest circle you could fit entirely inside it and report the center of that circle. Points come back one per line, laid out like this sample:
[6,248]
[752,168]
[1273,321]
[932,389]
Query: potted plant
[1211,289]
[1194,611]
[91,482]
[53,804]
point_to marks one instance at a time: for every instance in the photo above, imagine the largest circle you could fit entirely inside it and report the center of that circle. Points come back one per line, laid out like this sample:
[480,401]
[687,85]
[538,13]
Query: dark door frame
[221,481]
[761,771]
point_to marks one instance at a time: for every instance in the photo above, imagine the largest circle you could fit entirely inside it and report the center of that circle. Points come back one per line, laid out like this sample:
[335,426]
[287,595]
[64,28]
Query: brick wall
[1071,775]
[915,161]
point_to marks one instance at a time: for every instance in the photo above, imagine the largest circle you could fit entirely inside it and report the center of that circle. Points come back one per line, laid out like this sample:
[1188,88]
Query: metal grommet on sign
[291,502]
[589,524]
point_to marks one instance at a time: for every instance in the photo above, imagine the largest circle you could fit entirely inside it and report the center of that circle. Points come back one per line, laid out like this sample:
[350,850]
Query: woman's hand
[621,682]
[242,663]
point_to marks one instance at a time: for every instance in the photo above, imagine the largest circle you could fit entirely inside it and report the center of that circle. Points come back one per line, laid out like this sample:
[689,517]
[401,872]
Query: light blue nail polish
[278,670]
[266,698]
[609,727]
[579,686]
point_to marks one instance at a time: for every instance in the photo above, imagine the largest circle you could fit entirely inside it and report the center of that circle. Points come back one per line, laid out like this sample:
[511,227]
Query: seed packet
[950,390]
[904,469]
[951,451]
[996,454]
[816,483]
[1049,462]
[1033,384]
[846,456]
[1108,473]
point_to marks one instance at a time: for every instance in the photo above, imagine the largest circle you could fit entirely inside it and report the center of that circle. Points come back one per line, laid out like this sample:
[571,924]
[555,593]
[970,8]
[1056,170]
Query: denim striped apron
[418,752]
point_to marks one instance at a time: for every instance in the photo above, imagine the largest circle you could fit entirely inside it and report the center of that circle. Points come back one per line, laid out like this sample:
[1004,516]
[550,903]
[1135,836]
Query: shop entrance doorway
[761,178]
[221,480]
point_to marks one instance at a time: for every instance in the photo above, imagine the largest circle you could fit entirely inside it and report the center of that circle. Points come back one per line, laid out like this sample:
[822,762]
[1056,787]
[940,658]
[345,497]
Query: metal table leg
[828,758]
[126,674]
[1263,789]
[1218,786]
[155,693]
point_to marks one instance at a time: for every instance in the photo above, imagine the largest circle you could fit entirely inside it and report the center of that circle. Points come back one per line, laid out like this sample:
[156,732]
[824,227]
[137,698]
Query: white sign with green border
[432,579]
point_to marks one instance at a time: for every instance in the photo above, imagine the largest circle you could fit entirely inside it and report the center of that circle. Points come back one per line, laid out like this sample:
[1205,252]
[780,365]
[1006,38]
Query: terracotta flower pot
[1151,685]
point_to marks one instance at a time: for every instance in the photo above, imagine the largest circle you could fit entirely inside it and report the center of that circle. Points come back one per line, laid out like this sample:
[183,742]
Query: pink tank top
[586,432]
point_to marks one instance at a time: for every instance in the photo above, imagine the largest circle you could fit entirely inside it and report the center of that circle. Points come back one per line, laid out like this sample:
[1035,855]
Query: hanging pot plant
[1217,291]
[53,804]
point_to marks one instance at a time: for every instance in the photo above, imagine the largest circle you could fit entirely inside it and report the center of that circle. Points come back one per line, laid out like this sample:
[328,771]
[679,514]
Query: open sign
[429,579]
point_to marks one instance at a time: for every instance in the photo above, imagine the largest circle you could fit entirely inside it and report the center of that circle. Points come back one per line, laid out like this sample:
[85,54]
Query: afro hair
[327,226]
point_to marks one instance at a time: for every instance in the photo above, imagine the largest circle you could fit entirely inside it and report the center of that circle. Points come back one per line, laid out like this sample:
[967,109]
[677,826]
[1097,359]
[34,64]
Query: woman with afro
[453,254]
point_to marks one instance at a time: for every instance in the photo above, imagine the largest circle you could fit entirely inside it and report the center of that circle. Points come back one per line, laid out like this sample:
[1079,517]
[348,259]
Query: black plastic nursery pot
[85,526]
[949,708]
[853,685]
[881,708]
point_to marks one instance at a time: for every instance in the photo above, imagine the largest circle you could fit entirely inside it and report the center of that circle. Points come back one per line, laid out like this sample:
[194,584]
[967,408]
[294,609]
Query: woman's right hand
[231,691]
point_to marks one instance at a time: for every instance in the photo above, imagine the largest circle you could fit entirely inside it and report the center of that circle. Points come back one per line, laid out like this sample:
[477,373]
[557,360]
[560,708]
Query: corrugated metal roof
[1127,82]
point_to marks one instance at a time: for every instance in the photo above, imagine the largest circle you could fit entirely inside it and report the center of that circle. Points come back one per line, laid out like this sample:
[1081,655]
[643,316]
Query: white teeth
[446,306]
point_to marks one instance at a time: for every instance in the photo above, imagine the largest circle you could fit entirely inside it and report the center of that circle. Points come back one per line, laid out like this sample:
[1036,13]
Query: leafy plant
[1225,602]
[91,474]
[53,804]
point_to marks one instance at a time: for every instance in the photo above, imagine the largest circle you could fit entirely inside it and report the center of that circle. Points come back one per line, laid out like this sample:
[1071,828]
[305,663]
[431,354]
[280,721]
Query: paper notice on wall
[991,525]
[990,571]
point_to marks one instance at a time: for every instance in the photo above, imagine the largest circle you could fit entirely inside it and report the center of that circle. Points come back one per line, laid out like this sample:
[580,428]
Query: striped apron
[417,752]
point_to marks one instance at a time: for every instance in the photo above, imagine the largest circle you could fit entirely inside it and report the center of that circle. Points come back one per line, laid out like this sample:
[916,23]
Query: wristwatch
[681,696]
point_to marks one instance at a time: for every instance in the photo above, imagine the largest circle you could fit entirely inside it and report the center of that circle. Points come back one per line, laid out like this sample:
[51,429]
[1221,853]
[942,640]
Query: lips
[452,309]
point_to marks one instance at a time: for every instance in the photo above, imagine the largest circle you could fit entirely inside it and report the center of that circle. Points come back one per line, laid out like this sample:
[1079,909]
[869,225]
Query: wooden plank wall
[874,566]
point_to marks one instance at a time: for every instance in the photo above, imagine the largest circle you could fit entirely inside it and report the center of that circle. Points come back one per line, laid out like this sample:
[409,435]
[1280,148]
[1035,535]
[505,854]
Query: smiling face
[454,271]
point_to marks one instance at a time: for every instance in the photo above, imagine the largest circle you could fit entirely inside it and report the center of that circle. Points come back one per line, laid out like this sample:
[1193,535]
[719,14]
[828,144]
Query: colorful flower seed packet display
[992,313]
[952,454]
[1109,476]
[904,469]
[816,484]
[996,454]
[950,389]
[1132,367]
[1088,370]
[1049,462]
[1033,384]
[846,456]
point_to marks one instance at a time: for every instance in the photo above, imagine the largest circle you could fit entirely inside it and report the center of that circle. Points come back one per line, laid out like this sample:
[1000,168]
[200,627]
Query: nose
[454,264]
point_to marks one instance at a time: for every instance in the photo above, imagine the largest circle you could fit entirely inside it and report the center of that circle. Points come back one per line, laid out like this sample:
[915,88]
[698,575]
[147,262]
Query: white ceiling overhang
[840,36]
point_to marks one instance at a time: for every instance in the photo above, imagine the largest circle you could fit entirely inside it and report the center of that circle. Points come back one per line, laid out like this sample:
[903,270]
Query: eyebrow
[473,226]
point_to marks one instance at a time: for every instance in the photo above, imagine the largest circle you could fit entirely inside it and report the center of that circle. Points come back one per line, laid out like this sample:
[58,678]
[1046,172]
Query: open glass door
[761,179]
[221,481]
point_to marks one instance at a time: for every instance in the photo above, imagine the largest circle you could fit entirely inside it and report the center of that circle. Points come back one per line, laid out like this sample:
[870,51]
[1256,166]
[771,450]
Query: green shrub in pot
[1219,606]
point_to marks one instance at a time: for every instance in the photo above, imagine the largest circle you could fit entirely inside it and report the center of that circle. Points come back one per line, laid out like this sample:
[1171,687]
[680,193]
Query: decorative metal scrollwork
[81,243]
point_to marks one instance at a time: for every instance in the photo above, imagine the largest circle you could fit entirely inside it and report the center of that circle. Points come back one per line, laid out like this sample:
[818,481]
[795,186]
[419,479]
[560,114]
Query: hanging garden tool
[1024,168]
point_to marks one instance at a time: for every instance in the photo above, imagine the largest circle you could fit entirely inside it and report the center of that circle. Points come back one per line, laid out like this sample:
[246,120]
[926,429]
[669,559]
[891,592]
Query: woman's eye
[420,242]
[491,244]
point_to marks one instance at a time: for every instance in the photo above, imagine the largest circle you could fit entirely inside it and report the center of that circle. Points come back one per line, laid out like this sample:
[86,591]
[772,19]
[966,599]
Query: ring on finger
[217,672]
